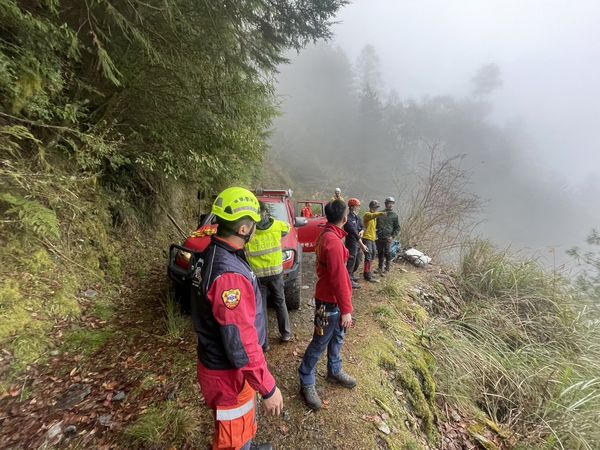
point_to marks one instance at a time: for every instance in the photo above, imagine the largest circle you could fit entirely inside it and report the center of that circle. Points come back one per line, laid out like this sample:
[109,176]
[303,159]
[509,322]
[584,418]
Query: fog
[548,51]
[533,146]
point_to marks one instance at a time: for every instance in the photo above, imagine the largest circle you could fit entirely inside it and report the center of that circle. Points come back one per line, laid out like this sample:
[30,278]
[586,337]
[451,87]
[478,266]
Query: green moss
[387,362]
[14,316]
[38,262]
[422,365]
[87,341]
[412,387]
[10,294]
[102,309]
[27,349]
[413,311]
[407,442]
[477,432]
[64,304]
[114,266]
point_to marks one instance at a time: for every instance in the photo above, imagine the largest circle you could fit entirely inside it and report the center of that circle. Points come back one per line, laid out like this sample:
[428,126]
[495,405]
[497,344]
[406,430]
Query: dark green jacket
[388,225]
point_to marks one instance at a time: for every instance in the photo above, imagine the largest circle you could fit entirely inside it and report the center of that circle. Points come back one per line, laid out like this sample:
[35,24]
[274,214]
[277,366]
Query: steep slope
[129,380]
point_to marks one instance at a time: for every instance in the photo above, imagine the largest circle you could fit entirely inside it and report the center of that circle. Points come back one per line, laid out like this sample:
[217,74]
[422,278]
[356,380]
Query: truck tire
[183,295]
[293,291]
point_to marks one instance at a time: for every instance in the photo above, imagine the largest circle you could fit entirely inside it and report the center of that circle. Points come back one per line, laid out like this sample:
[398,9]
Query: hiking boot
[265,446]
[342,378]
[311,397]
[354,278]
[369,277]
[286,337]
[266,348]
[355,285]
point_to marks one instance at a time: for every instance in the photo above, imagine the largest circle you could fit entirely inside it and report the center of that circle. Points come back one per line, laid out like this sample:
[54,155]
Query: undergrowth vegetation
[525,351]
[166,422]
[109,112]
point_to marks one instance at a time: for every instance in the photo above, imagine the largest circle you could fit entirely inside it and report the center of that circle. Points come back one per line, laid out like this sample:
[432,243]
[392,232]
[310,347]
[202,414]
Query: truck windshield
[279,211]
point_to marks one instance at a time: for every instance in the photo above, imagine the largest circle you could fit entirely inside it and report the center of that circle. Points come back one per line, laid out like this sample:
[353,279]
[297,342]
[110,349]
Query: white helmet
[338,191]
[390,200]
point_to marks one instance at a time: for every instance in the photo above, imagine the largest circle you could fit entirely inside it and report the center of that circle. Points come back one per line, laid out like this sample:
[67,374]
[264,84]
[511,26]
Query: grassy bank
[523,350]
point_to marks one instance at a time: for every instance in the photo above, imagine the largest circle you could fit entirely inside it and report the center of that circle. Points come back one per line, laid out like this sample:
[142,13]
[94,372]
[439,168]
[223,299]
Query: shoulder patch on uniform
[231,298]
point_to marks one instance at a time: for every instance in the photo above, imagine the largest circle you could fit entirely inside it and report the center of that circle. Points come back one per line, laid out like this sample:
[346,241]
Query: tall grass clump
[525,351]
[175,323]
[162,423]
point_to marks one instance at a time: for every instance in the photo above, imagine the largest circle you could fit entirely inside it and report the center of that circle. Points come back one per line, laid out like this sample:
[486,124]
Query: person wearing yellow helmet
[230,324]
[235,208]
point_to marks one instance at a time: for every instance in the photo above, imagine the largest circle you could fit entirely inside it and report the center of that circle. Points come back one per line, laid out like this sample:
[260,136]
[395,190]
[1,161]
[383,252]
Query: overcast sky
[548,51]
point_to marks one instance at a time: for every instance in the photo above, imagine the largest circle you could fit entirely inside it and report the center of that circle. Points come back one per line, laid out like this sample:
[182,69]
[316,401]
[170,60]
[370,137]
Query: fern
[32,215]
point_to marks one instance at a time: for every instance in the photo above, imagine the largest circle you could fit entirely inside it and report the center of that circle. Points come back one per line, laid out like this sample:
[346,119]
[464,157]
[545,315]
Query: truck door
[316,220]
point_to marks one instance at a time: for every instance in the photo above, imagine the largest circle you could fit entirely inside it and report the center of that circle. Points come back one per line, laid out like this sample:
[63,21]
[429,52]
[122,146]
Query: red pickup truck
[185,260]
[314,213]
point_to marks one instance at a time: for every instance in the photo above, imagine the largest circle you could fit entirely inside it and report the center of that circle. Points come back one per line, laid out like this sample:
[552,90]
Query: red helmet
[353,202]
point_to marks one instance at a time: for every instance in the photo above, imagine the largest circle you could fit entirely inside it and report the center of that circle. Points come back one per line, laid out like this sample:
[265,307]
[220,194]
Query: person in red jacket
[230,325]
[333,307]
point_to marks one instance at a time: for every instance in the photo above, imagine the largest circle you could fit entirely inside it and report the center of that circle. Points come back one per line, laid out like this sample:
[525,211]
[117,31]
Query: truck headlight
[287,255]
[186,256]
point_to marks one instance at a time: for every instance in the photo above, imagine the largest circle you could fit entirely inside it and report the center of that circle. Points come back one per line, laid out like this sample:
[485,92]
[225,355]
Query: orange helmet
[353,202]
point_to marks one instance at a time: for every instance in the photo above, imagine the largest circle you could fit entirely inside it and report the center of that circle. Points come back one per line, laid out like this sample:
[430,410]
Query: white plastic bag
[416,257]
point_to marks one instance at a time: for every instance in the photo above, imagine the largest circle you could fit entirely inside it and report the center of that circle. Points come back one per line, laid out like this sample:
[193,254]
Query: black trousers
[383,253]
[272,287]
[354,257]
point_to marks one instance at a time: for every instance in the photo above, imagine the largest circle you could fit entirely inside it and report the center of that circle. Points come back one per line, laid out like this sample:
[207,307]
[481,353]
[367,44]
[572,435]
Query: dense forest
[114,113]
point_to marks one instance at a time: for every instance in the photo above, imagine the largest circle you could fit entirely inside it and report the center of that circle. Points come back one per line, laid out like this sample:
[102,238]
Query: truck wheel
[292,296]
[182,297]
[292,292]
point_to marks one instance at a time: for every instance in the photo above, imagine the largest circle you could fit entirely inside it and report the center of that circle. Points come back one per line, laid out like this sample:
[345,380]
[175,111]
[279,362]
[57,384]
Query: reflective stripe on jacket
[264,249]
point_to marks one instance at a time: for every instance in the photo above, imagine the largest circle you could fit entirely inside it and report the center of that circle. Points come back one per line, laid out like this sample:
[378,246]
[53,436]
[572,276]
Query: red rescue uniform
[230,325]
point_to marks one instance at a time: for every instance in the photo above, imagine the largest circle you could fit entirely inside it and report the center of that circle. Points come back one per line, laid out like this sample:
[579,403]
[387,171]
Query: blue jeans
[332,340]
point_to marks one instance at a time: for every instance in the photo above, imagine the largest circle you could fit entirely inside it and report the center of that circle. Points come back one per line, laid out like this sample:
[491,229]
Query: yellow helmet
[234,203]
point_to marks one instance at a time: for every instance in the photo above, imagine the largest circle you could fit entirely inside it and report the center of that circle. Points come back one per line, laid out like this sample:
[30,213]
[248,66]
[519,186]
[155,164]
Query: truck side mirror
[301,221]
[202,219]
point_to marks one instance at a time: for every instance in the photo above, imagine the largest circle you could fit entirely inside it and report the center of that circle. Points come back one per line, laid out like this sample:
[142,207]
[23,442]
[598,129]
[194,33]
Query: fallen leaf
[15,392]
[110,386]
[383,427]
